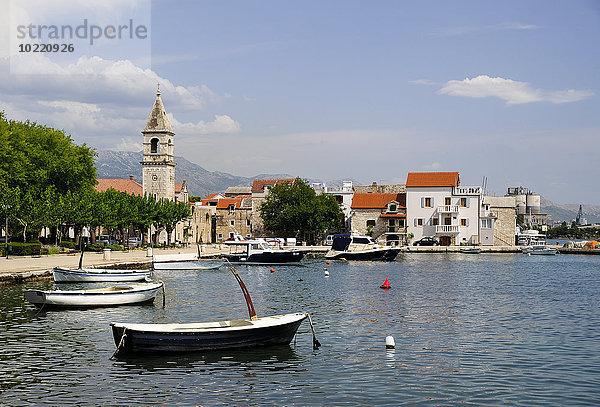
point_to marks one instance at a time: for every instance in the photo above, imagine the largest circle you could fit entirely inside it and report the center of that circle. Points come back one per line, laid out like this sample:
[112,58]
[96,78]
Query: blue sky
[366,90]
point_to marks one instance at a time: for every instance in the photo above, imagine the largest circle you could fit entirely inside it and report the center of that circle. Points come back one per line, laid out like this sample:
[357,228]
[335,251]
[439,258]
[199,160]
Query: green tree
[295,210]
[168,214]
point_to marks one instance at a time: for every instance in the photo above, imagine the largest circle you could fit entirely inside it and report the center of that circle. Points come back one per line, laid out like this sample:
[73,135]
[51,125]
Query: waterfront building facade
[438,206]
[498,221]
[260,189]
[233,216]
[343,195]
[381,216]
[528,205]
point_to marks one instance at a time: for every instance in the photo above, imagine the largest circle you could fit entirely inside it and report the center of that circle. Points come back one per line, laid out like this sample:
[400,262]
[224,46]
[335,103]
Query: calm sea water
[488,329]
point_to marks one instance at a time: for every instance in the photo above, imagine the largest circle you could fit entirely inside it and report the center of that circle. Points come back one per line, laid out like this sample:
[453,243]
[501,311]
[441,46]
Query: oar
[316,343]
[251,310]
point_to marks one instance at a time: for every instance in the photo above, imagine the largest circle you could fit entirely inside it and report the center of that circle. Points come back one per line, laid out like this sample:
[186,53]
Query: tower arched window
[154,143]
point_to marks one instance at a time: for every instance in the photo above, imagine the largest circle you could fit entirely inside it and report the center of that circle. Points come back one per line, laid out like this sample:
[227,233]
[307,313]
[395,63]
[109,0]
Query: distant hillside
[568,212]
[122,164]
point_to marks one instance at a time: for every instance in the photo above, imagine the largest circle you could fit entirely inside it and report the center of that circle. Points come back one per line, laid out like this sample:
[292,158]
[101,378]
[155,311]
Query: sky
[328,89]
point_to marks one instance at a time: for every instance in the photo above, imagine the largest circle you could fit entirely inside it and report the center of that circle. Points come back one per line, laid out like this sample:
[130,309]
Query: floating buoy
[326,273]
[343,259]
[389,342]
[300,279]
[386,284]
[272,270]
[327,261]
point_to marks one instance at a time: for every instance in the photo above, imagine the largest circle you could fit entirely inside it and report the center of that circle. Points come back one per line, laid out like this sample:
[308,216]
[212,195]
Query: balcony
[447,209]
[446,229]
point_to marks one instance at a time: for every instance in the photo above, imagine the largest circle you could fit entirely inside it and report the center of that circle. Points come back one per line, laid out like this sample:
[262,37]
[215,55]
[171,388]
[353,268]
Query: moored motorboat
[190,337]
[357,247]
[539,248]
[101,297]
[89,275]
[258,251]
[470,250]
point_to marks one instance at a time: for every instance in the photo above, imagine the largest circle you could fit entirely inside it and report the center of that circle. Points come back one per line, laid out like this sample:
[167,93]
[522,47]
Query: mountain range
[202,182]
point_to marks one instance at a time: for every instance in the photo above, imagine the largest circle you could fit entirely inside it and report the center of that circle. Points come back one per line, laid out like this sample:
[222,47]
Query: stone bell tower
[158,165]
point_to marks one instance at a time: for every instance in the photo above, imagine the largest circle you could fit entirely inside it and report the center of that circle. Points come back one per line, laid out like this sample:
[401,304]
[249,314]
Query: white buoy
[389,342]
[326,273]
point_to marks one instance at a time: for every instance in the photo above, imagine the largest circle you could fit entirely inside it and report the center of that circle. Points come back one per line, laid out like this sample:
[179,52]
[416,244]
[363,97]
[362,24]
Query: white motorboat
[357,247]
[101,297]
[89,275]
[258,251]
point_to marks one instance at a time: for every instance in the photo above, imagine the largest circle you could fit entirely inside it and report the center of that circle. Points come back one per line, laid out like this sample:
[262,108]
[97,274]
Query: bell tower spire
[158,164]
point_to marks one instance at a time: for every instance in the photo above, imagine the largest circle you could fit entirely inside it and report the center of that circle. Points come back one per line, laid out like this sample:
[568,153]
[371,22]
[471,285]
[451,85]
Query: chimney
[131,177]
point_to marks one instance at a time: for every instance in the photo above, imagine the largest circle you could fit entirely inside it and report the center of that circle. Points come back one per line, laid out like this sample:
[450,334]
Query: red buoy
[272,270]
[386,284]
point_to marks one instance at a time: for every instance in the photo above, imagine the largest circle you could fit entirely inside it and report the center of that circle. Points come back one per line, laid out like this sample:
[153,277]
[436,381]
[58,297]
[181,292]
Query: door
[445,240]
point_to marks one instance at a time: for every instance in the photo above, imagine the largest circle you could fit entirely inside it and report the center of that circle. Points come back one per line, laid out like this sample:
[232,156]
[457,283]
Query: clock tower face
[154,177]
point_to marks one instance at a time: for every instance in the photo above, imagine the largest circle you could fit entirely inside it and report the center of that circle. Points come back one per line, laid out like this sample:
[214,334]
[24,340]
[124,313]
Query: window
[464,222]
[393,208]
[486,223]
[371,222]
[154,145]
[435,222]
[247,222]
[463,202]
[419,221]
[401,223]
[232,223]
[427,203]
[447,201]
[220,236]
[391,222]
[231,208]
[231,235]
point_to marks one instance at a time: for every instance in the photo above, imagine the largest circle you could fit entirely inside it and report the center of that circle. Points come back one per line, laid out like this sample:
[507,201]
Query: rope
[316,343]
[163,293]
[121,342]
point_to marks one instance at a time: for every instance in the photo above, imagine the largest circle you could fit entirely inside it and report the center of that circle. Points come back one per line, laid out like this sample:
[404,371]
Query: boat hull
[386,254]
[63,275]
[109,297]
[151,338]
[271,257]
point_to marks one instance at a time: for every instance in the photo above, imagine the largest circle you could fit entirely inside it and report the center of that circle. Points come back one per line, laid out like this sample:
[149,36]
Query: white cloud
[432,166]
[507,26]
[129,144]
[512,92]
[222,124]
[423,82]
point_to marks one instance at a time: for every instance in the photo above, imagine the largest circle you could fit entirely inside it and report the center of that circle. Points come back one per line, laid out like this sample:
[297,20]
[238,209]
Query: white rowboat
[86,275]
[100,297]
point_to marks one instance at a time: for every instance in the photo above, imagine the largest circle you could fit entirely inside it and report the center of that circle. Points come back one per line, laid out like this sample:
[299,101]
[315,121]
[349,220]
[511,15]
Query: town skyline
[340,90]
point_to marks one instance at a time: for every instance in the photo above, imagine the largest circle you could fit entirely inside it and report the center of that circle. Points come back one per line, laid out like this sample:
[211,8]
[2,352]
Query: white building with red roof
[438,206]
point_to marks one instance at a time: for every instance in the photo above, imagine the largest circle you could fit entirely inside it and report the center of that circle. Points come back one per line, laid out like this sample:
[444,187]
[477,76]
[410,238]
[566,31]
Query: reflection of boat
[258,251]
[239,333]
[185,261]
[109,296]
[470,250]
[84,275]
[356,247]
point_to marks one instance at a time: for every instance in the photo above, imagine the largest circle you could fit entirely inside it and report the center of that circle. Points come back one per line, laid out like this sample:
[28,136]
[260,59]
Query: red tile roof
[123,185]
[432,179]
[258,185]
[375,201]
[225,202]
[392,215]
[178,187]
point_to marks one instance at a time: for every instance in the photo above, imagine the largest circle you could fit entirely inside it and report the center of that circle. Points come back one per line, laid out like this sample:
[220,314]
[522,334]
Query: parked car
[426,241]
[107,240]
[134,242]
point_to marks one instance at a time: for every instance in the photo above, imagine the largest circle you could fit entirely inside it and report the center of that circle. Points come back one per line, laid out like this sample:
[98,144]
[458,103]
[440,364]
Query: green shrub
[24,249]
[68,244]
[96,247]
[115,247]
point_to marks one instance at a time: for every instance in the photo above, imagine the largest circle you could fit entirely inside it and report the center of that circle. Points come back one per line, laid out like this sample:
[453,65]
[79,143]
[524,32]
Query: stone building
[498,221]
[158,164]
[233,216]
[380,215]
